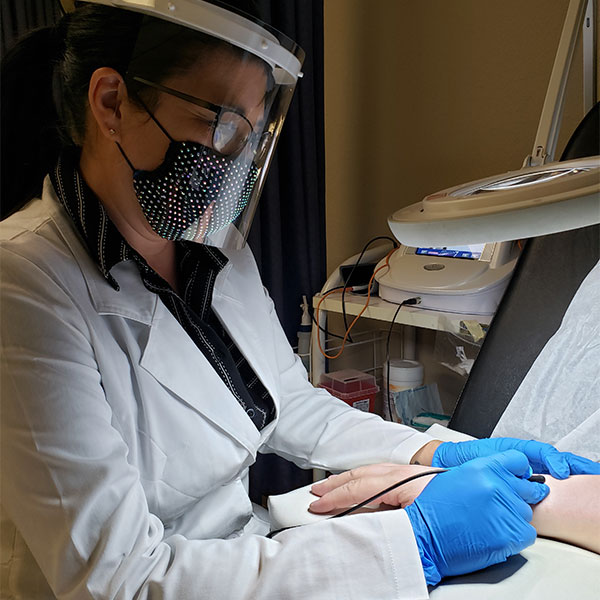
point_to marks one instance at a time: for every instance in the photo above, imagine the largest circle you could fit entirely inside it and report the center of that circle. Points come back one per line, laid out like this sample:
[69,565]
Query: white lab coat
[125,457]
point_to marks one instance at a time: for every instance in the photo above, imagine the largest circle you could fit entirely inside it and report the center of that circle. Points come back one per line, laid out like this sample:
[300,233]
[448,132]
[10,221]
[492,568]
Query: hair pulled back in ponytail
[29,133]
[45,79]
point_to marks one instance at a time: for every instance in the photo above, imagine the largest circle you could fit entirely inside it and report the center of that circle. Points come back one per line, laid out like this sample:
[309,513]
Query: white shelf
[408,315]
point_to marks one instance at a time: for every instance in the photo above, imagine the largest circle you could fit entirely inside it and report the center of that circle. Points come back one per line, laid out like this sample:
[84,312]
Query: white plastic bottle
[304,335]
[404,375]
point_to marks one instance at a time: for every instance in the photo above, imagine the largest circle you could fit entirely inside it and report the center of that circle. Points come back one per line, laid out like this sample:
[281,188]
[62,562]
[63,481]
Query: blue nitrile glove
[543,458]
[475,515]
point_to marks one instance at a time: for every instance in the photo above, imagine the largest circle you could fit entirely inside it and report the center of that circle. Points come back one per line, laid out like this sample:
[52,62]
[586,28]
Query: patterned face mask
[195,192]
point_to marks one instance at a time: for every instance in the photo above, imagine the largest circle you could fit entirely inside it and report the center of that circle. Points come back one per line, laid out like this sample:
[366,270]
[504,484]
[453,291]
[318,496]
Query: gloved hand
[475,515]
[543,458]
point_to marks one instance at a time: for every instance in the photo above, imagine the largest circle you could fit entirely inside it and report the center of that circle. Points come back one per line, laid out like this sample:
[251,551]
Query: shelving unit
[409,315]
[381,310]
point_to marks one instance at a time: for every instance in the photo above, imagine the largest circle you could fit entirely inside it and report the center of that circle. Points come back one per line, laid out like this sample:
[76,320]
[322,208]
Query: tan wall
[424,94]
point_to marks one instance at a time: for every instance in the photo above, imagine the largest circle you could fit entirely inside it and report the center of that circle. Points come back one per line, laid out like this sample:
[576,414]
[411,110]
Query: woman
[143,365]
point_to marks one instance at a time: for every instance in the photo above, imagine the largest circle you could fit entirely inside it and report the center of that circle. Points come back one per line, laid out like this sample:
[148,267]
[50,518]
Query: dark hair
[45,80]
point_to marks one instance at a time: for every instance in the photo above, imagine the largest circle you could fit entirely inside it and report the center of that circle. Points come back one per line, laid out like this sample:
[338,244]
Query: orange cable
[387,264]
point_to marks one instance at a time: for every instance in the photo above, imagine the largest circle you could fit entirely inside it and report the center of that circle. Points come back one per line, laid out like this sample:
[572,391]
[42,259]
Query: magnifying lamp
[539,199]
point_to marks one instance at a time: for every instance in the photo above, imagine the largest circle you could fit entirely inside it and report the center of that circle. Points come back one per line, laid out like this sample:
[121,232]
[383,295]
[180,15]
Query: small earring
[112,131]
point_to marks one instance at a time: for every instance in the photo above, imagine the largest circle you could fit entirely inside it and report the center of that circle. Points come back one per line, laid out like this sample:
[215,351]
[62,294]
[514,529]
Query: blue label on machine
[472,251]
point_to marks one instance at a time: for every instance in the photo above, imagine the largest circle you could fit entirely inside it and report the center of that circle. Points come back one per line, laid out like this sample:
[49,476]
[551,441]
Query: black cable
[387,364]
[389,489]
[345,287]
[349,279]
[325,331]
[368,500]
[409,302]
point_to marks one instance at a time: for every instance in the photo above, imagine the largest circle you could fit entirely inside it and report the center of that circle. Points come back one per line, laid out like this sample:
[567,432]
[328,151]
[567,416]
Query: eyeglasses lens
[231,133]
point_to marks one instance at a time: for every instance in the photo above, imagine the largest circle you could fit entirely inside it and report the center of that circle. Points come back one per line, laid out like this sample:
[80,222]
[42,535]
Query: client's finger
[334,481]
[349,493]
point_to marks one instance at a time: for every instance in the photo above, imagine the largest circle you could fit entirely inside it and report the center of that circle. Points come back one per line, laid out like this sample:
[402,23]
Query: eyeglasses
[231,130]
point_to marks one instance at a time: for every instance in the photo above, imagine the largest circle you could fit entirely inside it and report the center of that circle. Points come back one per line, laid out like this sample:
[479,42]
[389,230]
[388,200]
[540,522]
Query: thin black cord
[379,237]
[389,489]
[325,331]
[409,302]
[368,500]
[346,287]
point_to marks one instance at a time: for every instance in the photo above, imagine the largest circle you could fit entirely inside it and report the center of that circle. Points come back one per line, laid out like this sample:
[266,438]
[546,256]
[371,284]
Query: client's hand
[570,513]
[355,486]
[543,458]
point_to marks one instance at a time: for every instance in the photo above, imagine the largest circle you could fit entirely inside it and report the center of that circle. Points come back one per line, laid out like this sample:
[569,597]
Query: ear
[106,94]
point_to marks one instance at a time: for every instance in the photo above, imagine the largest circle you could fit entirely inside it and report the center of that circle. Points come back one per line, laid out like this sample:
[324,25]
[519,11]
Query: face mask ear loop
[125,156]
[157,123]
[154,118]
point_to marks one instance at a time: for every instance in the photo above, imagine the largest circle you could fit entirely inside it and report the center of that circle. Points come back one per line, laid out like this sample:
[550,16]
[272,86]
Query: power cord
[387,490]
[408,302]
[324,329]
[386,265]
[349,279]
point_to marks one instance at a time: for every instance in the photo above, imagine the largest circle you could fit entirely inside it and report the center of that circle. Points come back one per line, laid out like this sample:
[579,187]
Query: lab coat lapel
[174,360]
[171,357]
[245,322]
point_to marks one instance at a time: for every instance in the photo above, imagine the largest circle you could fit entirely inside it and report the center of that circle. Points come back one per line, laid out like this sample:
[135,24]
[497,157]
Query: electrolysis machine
[468,279]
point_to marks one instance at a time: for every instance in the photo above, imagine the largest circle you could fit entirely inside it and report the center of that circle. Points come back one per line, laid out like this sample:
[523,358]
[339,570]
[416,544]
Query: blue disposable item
[423,421]
[475,515]
[543,458]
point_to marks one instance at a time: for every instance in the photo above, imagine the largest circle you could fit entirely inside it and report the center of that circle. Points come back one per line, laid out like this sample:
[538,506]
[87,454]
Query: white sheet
[558,401]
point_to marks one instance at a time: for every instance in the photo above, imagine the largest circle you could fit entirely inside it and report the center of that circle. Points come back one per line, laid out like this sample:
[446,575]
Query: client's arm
[570,513]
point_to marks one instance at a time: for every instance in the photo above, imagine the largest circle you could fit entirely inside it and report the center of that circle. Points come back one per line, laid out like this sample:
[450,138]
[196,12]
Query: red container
[354,387]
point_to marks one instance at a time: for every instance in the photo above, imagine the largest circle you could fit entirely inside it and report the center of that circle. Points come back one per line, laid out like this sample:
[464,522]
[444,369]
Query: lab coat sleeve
[77,501]
[316,430]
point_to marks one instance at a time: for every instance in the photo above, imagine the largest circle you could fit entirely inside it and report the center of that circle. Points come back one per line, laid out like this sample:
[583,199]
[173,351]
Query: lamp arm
[549,125]
[590,57]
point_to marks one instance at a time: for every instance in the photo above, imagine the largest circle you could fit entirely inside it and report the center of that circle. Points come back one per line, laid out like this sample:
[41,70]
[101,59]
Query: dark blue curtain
[288,234]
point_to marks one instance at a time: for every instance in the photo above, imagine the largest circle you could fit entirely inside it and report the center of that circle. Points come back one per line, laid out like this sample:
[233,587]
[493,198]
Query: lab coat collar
[136,303]
[215,401]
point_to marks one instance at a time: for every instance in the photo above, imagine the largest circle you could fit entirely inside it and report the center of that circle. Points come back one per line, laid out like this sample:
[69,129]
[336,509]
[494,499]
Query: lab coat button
[250,412]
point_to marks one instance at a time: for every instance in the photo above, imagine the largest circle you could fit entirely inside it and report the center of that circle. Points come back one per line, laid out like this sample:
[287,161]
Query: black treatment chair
[549,272]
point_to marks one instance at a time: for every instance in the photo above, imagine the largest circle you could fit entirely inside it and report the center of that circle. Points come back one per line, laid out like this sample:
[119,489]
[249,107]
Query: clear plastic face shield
[227,82]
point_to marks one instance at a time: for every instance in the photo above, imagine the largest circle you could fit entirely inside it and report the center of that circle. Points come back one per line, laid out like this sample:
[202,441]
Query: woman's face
[222,79]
